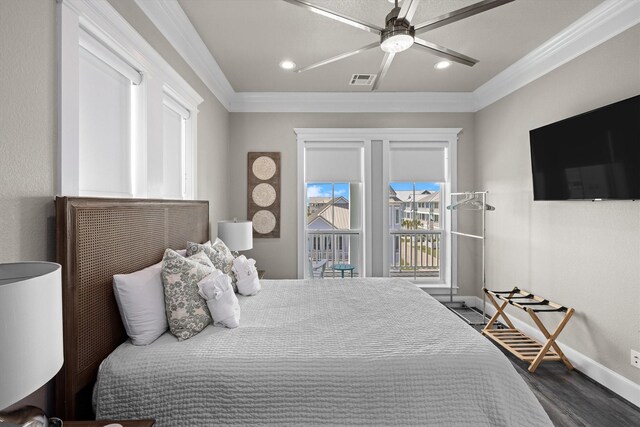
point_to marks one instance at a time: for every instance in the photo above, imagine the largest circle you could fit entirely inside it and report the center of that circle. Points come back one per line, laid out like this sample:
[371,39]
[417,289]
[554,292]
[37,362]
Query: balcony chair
[316,269]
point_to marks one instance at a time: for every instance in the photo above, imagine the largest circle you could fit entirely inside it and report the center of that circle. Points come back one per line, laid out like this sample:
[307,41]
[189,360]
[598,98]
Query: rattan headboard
[97,238]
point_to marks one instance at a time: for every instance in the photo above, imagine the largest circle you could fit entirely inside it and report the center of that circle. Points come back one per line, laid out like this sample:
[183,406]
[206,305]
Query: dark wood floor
[573,399]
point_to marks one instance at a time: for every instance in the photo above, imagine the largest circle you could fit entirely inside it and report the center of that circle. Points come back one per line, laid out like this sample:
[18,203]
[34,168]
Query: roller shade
[173,156]
[416,164]
[100,51]
[104,116]
[174,105]
[333,164]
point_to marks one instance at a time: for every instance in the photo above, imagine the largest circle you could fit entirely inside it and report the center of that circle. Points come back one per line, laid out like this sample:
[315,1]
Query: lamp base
[27,416]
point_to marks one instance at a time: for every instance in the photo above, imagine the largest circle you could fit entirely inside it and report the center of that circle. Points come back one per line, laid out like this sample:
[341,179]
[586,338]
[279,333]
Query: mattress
[313,352]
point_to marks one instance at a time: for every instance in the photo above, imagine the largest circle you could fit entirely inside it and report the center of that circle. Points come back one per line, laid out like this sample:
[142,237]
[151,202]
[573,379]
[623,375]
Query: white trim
[347,102]
[605,21]
[366,240]
[302,195]
[68,181]
[615,382]
[174,24]
[377,134]
[597,26]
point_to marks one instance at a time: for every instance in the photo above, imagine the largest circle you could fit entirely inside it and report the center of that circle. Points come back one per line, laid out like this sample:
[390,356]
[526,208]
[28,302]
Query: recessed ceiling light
[442,65]
[287,65]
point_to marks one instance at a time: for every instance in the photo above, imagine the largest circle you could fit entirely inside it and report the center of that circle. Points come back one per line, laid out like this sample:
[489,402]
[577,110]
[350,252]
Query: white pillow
[140,298]
[221,299]
[245,271]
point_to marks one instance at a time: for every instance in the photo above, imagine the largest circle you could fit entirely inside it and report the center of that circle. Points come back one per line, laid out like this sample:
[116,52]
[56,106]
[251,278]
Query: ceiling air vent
[362,79]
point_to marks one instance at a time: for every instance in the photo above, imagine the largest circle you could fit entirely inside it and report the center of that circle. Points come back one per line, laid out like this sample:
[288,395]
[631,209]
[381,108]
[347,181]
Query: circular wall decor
[264,195]
[264,222]
[264,168]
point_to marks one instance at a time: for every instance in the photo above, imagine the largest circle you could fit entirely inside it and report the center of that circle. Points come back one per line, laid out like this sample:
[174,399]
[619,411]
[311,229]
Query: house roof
[342,219]
[431,197]
[407,195]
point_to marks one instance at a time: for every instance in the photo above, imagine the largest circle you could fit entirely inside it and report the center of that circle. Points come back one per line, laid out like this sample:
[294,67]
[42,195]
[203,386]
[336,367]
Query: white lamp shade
[238,236]
[31,346]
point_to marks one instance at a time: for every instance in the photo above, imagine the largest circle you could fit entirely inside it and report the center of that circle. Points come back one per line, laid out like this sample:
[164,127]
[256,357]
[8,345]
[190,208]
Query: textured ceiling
[249,38]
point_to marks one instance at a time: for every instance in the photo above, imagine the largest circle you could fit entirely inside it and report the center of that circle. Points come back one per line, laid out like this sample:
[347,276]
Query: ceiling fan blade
[384,67]
[338,17]
[443,52]
[457,15]
[338,57]
[408,9]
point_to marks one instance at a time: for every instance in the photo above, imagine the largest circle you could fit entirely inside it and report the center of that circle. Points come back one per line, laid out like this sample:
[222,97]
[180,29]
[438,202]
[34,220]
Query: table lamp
[237,235]
[31,346]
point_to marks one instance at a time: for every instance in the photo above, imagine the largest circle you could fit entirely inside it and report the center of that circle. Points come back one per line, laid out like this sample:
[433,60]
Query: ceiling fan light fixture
[287,65]
[442,65]
[397,43]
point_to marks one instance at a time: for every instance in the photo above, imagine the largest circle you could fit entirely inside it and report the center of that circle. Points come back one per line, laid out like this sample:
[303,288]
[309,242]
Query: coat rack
[475,201]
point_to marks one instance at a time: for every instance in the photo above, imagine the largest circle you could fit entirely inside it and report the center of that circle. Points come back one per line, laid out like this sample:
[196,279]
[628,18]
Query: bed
[337,352]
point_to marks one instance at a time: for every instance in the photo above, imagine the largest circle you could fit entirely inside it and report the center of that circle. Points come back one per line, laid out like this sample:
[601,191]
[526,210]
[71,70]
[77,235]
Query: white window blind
[106,55]
[104,128]
[173,152]
[409,162]
[333,164]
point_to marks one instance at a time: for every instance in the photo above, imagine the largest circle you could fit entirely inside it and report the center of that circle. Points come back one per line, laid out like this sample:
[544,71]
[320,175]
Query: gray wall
[274,132]
[28,132]
[582,254]
[27,135]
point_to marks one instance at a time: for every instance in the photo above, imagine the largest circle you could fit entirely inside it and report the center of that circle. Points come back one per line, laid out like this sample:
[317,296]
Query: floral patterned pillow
[187,311]
[219,254]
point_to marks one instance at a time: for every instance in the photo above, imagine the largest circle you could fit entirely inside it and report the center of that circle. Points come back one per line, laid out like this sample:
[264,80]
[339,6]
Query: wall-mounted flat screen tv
[594,155]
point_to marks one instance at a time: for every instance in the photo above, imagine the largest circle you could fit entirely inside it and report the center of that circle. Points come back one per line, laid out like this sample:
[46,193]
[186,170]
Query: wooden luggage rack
[519,344]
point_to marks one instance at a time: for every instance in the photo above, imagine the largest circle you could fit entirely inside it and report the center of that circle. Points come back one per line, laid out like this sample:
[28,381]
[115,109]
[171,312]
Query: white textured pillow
[140,298]
[221,299]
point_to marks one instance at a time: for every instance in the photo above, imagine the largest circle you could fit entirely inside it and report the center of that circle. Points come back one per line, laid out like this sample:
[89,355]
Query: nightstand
[101,423]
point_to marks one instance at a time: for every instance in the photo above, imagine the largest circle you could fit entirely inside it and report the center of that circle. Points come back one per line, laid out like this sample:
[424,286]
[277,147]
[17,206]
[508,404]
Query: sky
[324,190]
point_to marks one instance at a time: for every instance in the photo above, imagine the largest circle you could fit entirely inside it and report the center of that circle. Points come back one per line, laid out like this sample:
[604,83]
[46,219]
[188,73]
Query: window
[397,179]
[106,87]
[414,244]
[127,120]
[177,174]
[418,247]
[332,215]
[333,201]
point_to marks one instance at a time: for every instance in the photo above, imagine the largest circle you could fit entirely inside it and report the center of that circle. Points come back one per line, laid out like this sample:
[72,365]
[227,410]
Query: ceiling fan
[399,33]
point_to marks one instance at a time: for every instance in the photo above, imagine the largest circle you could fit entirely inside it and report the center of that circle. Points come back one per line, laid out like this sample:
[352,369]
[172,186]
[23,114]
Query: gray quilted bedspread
[332,352]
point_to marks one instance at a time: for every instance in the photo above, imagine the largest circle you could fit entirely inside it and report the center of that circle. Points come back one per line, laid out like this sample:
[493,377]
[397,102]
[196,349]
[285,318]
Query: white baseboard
[615,382]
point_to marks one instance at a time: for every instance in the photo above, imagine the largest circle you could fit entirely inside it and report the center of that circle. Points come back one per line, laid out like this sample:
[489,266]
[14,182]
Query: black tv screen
[594,155]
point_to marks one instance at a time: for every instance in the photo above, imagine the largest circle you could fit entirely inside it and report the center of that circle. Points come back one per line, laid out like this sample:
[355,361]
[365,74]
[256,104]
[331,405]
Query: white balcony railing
[335,247]
[415,253]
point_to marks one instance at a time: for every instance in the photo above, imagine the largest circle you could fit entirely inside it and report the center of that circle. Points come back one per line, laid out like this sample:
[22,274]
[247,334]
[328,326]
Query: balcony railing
[335,247]
[415,253]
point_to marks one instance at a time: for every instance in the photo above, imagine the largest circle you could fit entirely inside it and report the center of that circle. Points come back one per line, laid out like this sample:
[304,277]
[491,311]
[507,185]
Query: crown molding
[349,102]
[605,21]
[169,17]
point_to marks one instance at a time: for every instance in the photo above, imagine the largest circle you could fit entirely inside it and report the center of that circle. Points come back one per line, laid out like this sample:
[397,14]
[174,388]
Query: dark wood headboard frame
[97,238]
